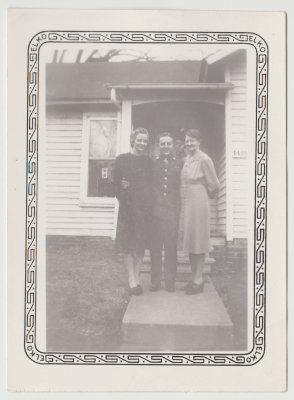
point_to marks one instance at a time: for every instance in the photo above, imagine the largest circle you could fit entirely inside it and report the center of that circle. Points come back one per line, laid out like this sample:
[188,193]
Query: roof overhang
[146,93]
[172,86]
[158,92]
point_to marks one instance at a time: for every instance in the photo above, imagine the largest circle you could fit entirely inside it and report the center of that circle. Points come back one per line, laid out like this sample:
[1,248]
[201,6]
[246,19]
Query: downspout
[114,98]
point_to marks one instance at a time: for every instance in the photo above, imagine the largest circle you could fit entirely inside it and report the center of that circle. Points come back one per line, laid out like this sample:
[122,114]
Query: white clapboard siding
[80,231]
[66,128]
[64,213]
[239,117]
[61,196]
[66,175]
[62,134]
[240,137]
[61,189]
[64,164]
[64,146]
[63,120]
[54,158]
[106,217]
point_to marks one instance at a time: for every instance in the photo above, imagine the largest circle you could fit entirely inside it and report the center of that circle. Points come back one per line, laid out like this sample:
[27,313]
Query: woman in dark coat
[198,182]
[133,189]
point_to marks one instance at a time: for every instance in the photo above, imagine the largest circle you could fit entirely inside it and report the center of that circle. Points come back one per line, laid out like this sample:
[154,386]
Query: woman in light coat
[199,182]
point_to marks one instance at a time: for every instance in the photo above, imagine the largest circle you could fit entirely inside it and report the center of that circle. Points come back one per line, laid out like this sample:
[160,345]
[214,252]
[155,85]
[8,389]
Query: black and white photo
[146,200]
[147,176]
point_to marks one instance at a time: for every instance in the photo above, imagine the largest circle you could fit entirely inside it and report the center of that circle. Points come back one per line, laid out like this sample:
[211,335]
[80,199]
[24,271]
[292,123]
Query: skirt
[133,231]
[195,219]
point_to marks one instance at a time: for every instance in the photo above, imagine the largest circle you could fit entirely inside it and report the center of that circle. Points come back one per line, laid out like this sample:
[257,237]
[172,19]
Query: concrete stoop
[183,269]
[164,321]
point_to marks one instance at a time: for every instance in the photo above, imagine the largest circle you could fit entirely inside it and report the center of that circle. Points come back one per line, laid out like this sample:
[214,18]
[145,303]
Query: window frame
[85,200]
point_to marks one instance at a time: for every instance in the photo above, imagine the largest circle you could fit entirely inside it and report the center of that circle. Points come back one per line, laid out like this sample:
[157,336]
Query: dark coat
[135,202]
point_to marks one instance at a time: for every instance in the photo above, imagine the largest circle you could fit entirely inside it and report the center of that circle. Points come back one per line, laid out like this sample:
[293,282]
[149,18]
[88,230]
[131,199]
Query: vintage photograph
[146,201]
[148,189]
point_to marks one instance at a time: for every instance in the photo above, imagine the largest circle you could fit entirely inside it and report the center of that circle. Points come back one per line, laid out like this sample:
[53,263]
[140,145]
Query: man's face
[166,145]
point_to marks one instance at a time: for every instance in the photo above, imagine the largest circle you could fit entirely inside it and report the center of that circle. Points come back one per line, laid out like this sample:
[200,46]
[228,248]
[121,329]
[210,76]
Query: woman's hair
[136,132]
[194,133]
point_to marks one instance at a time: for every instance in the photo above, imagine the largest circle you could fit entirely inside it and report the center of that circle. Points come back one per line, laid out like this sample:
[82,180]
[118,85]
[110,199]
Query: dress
[198,183]
[135,202]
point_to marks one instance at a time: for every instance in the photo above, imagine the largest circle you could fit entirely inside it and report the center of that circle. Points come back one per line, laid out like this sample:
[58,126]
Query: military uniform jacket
[166,187]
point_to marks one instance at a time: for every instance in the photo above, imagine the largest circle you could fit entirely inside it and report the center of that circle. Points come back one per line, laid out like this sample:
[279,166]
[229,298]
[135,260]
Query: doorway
[176,116]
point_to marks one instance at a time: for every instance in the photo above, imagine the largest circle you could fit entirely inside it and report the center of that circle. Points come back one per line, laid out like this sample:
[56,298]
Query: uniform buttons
[165,170]
[165,178]
[165,186]
[164,193]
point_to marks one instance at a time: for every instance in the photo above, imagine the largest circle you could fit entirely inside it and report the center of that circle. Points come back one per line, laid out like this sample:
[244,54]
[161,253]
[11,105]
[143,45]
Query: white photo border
[260,207]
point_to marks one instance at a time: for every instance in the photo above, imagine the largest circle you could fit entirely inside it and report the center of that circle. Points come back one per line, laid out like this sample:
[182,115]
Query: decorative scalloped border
[258,347]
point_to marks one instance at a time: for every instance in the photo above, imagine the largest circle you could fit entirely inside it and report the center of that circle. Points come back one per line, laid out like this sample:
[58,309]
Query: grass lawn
[87,295]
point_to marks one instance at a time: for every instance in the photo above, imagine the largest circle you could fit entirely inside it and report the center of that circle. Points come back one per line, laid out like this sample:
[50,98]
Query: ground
[87,294]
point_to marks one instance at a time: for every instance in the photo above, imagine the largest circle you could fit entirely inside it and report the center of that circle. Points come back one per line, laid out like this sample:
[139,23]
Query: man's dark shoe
[154,287]
[170,288]
[187,286]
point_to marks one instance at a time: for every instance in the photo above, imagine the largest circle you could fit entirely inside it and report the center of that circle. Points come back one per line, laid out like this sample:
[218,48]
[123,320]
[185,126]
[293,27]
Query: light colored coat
[198,182]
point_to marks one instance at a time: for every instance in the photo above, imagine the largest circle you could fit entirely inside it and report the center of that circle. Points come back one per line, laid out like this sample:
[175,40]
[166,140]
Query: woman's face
[141,143]
[192,144]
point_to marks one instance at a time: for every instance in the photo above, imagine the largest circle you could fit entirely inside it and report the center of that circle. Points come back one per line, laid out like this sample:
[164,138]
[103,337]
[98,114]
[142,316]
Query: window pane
[102,139]
[100,178]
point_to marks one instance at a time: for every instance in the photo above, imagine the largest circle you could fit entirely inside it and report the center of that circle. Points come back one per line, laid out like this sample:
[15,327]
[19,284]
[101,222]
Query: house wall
[64,214]
[237,158]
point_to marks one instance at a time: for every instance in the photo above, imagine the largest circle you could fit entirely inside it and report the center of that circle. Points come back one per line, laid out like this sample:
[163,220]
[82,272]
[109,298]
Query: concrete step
[182,258]
[164,321]
[183,265]
[183,270]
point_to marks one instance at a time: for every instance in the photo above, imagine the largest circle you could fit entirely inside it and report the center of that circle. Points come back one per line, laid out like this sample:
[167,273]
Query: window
[99,152]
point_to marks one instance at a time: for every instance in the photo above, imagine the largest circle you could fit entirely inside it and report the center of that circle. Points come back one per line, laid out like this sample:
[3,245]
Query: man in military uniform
[166,185]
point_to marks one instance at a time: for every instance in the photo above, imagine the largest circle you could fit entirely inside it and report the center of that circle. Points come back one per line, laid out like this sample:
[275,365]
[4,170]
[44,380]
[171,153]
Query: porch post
[126,125]
[228,130]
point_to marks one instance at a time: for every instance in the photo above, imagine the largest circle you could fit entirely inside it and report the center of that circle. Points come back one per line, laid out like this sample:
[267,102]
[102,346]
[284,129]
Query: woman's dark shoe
[187,286]
[195,288]
[139,290]
[132,291]
[136,291]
